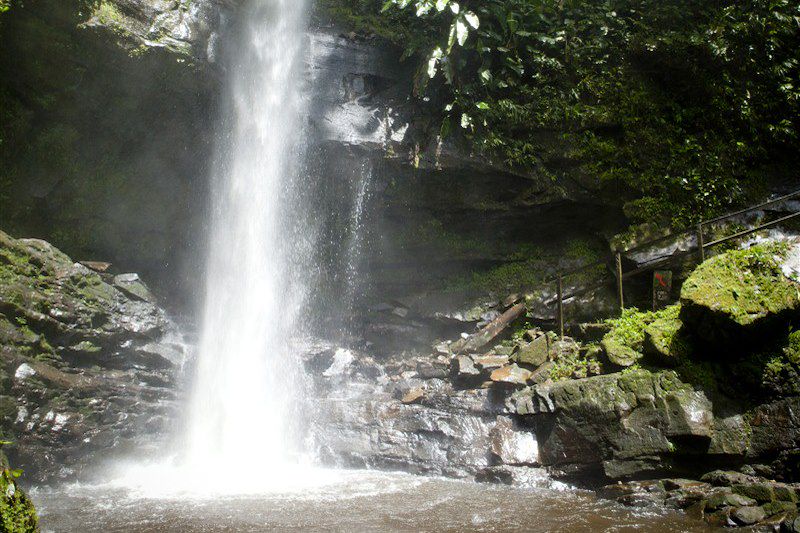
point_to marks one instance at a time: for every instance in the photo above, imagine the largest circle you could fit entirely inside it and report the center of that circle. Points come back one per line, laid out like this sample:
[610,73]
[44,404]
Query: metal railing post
[560,306]
[701,242]
[618,260]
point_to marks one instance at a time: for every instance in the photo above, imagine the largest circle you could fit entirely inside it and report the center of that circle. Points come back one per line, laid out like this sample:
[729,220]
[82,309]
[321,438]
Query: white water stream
[244,412]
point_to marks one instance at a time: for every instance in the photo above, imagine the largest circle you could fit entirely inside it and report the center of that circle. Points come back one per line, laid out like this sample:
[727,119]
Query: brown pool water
[355,502]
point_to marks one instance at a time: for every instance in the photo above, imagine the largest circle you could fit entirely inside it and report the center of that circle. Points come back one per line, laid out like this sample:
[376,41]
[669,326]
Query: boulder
[619,353]
[725,498]
[512,375]
[759,491]
[747,516]
[490,362]
[665,342]
[741,298]
[534,353]
[413,396]
[463,367]
[629,422]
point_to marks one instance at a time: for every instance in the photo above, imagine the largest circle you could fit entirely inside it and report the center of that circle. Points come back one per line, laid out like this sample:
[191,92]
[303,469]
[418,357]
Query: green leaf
[472,19]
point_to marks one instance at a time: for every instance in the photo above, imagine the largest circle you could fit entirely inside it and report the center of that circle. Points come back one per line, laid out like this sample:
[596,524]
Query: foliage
[781,373]
[629,329]
[17,514]
[577,365]
[680,107]
[5,5]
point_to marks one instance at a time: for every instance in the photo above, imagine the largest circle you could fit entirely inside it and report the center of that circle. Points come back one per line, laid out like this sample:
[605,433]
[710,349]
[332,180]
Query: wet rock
[725,498]
[512,375]
[491,362]
[761,492]
[72,341]
[463,367]
[747,516]
[131,285]
[775,427]
[626,422]
[413,396]
[513,446]
[726,478]
[495,475]
[534,353]
[432,370]
[731,436]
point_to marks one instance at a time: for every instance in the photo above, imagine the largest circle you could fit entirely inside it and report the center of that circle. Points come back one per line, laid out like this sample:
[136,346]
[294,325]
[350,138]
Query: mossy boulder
[70,341]
[742,298]
[626,342]
[534,353]
[665,341]
[626,424]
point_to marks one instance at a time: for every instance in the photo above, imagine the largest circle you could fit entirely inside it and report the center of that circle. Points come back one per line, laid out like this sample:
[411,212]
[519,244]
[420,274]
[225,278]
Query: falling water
[244,413]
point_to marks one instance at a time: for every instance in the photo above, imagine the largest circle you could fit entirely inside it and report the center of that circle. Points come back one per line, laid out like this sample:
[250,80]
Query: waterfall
[245,407]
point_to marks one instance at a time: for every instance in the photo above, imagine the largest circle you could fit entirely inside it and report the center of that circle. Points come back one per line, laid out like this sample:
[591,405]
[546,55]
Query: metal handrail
[751,208]
[700,246]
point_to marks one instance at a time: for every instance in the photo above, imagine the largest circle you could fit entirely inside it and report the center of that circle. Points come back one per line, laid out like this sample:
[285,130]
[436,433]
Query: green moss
[743,285]
[571,364]
[665,339]
[624,344]
[503,279]
[780,371]
[432,233]
[17,513]
[108,14]
[704,374]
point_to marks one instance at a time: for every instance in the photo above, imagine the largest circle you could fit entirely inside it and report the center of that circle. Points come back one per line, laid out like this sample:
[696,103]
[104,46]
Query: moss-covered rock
[534,353]
[665,342]
[626,423]
[624,344]
[741,298]
[70,342]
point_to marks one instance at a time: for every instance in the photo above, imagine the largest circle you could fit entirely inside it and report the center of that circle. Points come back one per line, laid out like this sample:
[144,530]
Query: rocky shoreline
[652,415]
[88,360]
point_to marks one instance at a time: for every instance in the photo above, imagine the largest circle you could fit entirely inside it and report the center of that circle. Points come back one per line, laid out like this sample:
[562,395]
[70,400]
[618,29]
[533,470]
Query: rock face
[182,28]
[85,364]
[386,414]
[106,155]
[626,424]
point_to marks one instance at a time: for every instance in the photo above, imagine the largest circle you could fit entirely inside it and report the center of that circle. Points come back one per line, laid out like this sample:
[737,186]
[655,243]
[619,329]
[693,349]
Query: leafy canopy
[681,108]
